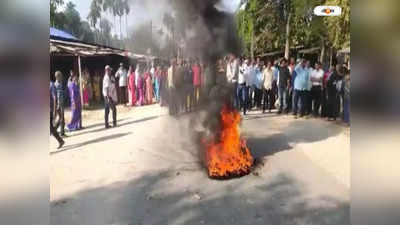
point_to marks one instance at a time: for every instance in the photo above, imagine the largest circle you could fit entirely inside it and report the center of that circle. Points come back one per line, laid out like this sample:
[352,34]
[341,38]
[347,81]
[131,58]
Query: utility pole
[151,36]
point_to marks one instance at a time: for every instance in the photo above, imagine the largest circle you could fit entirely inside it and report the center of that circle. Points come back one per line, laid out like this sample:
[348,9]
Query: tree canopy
[267,20]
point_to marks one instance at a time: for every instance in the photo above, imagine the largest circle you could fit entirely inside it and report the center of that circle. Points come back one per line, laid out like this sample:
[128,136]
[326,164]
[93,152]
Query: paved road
[147,171]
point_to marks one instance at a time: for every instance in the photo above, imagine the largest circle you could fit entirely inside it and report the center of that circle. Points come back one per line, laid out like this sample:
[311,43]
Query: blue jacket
[259,79]
[302,77]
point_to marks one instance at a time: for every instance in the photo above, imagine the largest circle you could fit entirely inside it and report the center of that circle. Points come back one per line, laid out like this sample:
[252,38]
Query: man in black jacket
[283,85]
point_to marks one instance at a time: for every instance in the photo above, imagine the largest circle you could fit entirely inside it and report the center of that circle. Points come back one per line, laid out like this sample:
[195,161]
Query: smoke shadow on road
[265,146]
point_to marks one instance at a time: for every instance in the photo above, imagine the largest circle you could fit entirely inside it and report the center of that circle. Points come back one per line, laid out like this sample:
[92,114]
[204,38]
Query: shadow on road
[308,131]
[279,201]
[265,146]
[96,140]
[300,131]
[103,127]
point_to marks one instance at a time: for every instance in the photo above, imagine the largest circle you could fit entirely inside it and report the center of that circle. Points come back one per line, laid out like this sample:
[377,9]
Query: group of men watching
[300,88]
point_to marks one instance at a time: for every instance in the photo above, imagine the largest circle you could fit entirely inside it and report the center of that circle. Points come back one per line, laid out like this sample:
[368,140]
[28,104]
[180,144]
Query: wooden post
[80,81]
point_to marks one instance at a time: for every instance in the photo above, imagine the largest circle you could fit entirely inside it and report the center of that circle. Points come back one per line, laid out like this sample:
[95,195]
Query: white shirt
[229,72]
[317,75]
[243,74]
[109,89]
[136,76]
[268,77]
[122,74]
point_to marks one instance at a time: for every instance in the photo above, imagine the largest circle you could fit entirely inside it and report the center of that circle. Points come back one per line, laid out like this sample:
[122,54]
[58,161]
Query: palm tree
[120,11]
[110,6]
[94,15]
[127,11]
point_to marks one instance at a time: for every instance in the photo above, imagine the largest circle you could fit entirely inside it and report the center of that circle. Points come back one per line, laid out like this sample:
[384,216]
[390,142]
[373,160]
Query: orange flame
[230,156]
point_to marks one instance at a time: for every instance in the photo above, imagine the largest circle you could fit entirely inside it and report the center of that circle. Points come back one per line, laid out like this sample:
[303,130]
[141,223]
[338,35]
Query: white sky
[140,14]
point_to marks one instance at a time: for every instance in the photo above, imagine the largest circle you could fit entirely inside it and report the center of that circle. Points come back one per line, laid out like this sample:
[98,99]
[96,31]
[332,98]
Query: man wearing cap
[122,75]
[110,96]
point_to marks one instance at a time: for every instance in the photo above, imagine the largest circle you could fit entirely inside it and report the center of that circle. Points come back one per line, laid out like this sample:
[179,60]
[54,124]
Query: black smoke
[210,35]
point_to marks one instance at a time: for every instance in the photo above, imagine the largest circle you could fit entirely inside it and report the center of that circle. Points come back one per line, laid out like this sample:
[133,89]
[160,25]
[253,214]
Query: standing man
[316,77]
[53,131]
[259,84]
[110,97]
[300,84]
[283,84]
[188,86]
[268,76]
[59,101]
[308,91]
[179,86]
[242,86]
[171,88]
[122,75]
[251,84]
[232,72]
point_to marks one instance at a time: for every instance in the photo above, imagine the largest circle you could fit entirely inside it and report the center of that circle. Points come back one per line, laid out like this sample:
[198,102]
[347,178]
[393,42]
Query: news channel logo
[324,10]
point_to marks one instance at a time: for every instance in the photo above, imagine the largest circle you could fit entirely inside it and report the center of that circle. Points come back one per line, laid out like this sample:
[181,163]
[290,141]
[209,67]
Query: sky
[140,13]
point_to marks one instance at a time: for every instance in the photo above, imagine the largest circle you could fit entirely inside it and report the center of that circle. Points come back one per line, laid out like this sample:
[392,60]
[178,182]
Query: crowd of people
[290,87]
[294,86]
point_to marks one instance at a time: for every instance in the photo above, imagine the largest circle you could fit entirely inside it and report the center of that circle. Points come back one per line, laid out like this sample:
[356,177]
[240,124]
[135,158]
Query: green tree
[72,19]
[278,24]
[54,5]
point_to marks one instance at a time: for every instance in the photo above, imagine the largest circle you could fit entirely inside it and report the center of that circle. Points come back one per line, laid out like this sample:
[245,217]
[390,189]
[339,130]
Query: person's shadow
[96,140]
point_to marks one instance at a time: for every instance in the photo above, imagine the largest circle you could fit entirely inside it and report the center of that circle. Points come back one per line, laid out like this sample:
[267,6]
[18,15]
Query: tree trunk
[115,27]
[252,43]
[322,56]
[126,24]
[287,42]
[120,29]
[331,57]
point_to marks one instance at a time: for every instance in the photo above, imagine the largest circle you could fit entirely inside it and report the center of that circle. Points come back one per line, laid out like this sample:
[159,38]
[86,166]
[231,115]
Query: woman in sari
[149,88]
[76,107]
[157,82]
[163,87]
[140,87]
[86,87]
[131,86]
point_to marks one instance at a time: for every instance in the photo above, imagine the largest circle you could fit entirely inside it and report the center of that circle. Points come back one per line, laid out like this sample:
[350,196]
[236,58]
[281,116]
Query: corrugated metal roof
[63,47]
[61,34]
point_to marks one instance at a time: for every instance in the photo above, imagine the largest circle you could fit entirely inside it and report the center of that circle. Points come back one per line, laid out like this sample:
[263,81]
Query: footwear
[61,144]
[107,126]
[295,116]
[114,125]
[279,112]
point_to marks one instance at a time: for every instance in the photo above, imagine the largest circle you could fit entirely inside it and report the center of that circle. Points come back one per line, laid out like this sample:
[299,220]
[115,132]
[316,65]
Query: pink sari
[132,89]
[149,89]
